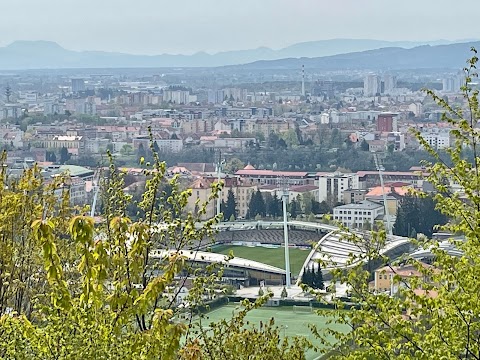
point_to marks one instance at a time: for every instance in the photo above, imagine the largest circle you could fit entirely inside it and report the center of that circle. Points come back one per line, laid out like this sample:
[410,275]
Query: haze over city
[185,27]
[258,179]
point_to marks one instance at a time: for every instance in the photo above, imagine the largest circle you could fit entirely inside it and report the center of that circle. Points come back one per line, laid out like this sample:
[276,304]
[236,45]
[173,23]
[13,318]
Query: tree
[317,208]
[64,155]
[233,165]
[293,209]
[252,207]
[318,280]
[272,140]
[256,206]
[141,152]
[306,278]
[291,138]
[276,209]
[364,145]
[268,203]
[281,144]
[307,200]
[313,278]
[126,150]
[50,156]
[417,214]
[230,206]
[234,339]
[273,205]
[155,147]
[76,290]
[435,314]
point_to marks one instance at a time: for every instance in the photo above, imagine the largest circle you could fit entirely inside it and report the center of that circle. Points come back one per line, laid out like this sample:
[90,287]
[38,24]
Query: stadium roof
[209,257]
[75,170]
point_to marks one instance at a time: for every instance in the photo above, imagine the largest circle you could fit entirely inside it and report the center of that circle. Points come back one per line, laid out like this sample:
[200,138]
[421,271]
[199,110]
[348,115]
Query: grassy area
[291,323]
[269,256]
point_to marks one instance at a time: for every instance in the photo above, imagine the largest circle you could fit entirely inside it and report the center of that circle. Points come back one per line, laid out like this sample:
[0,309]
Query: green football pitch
[269,256]
[291,323]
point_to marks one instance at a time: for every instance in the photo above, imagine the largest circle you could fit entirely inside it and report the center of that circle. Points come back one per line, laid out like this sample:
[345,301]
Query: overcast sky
[187,26]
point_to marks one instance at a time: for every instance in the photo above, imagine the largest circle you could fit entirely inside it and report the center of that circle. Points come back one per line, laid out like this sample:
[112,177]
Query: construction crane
[380,170]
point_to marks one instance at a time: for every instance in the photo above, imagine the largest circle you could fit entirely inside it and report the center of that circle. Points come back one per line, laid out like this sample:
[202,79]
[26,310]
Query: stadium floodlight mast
[285,191]
[95,189]
[380,170]
[220,164]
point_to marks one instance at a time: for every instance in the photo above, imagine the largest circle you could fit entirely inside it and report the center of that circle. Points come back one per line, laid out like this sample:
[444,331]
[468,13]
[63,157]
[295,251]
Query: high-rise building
[389,83]
[453,84]
[371,85]
[325,88]
[386,122]
[78,85]
[216,96]
[236,93]
[177,96]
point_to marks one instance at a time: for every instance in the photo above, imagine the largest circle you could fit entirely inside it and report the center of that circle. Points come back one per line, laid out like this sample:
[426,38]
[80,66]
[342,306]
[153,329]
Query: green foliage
[126,150]
[73,289]
[417,214]
[256,206]
[273,205]
[313,278]
[433,315]
[64,155]
[233,165]
[364,145]
[293,209]
[230,207]
[236,338]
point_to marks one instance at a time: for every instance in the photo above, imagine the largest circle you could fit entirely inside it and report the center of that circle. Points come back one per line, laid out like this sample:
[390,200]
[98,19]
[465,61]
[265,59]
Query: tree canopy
[71,288]
[432,315]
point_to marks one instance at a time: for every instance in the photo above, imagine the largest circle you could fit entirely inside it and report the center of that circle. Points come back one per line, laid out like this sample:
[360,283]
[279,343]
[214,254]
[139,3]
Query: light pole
[380,170]
[219,171]
[285,231]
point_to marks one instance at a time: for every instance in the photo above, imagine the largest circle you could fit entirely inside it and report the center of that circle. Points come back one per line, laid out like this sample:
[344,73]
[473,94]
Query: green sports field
[291,323]
[269,256]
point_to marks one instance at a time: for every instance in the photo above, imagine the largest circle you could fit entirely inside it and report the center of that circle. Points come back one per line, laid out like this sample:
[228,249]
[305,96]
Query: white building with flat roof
[437,139]
[356,215]
[332,185]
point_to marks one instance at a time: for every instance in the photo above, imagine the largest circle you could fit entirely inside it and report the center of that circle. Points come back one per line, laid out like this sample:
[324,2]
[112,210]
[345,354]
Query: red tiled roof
[271,173]
[303,188]
[389,173]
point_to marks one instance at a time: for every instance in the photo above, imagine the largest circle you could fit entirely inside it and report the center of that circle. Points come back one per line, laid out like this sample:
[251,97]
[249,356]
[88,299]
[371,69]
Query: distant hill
[452,56]
[50,55]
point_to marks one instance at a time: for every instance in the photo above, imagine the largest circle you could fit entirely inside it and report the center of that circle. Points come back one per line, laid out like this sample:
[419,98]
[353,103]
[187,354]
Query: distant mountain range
[49,55]
[453,56]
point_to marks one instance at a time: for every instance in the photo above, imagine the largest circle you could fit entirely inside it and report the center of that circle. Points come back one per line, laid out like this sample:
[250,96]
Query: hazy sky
[187,26]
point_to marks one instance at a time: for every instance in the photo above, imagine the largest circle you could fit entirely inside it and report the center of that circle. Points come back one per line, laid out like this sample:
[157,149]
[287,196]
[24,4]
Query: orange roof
[378,190]
[430,293]
[200,184]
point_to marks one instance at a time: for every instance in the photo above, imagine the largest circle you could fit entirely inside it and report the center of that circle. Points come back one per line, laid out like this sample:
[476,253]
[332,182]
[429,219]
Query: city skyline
[214,26]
